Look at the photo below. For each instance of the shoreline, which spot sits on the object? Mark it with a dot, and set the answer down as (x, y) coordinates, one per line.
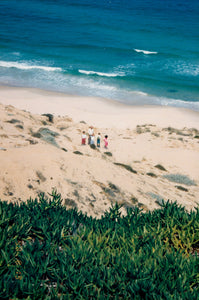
(97, 111)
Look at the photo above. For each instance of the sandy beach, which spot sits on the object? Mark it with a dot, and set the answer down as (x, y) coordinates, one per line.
(152, 154)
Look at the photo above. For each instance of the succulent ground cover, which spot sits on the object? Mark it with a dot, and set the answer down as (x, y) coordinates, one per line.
(49, 252)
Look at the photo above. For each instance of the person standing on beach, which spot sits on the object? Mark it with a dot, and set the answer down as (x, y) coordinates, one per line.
(90, 133)
(83, 138)
(92, 141)
(98, 140)
(106, 141)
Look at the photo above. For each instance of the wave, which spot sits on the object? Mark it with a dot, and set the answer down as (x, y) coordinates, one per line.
(145, 51)
(100, 73)
(25, 66)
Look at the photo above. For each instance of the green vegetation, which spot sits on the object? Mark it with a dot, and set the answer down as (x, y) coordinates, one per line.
(151, 174)
(108, 153)
(127, 167)
(181, 188)
(50, 117)
(13, 121)
(47, 135)
(160, 167)
(178, 178)
(78, 153)
(49, 252)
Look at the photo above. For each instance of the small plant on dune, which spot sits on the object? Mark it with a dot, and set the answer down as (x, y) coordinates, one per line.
(49, 116)
(78, 152)
(19, 126)
(151, 174)
(178, 178)
(160, 167)
(127, 167)
(158, 198)
(13, 121)
(179, 187)
(108, 153)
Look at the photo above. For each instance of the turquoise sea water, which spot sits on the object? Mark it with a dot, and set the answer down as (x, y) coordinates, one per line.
(133, 51)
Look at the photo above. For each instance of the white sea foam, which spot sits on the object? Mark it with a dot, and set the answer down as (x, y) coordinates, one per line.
(140, 98)
(25, 66)
(16, 53)
(187, 69)
(145, 51)
(100, 73)
(141, 93)
(93, 85)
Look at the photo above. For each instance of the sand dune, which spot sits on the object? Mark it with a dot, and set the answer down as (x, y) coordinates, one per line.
(149, 147)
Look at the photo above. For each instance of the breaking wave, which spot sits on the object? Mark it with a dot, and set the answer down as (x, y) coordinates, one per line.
(100, 73)
(25, 66)
(145, 51)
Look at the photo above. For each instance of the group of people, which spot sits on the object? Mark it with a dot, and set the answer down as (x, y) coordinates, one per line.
(91, 138)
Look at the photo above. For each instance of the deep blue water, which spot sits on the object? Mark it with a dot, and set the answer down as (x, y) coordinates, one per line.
(133, 51)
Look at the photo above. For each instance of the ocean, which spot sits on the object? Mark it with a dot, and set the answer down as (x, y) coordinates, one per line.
(133, 51)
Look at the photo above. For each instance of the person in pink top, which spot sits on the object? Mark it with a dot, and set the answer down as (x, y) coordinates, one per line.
(106, 141)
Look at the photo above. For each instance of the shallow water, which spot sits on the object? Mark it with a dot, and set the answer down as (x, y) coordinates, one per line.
(139, 52)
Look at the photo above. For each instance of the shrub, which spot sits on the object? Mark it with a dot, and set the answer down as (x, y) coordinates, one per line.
(108, 153)
(127, 167)
(160, 167)
(78, 152)
(49, 116)
(151, 174)
(49, 252)
(178, 178)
